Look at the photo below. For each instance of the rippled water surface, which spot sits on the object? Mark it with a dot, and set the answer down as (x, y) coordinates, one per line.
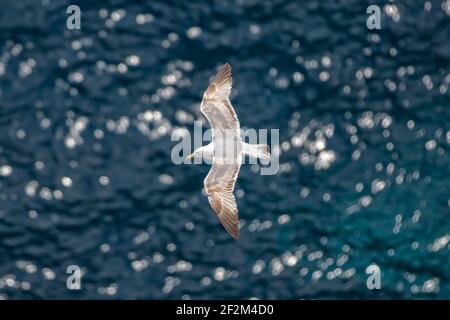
(86, 176)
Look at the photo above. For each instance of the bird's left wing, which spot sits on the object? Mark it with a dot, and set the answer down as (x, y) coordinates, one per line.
(219, 185)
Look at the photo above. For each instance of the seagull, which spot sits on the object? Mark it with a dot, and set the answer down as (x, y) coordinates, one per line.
(225, 150)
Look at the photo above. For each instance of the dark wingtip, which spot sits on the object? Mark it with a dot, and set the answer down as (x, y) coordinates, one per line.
(226, 65)
(235, 235)
(233, 230)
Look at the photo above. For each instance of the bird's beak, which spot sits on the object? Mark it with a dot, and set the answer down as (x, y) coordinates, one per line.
(189, 157)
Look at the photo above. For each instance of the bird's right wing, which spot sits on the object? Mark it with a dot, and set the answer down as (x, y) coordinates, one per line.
(216, 105)
(219, 185)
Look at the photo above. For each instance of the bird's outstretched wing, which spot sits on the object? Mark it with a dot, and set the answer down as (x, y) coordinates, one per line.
(220, 181)
(219, 185)
(216, 105)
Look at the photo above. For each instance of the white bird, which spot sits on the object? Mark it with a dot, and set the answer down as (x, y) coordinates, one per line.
(226, 150)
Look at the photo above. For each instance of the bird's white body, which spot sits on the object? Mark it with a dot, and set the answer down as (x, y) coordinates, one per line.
(207, 152)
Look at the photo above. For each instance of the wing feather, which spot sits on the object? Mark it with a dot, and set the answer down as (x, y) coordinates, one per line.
(219, 185)
(216, 105)
(220, 86)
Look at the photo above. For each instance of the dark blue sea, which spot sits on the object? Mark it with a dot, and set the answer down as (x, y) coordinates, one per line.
(86, 176)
